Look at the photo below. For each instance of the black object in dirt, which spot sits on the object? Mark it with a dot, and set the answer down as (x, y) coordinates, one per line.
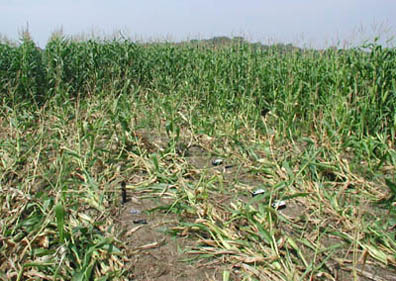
(264, 111)
(141, 221)
(123, 193)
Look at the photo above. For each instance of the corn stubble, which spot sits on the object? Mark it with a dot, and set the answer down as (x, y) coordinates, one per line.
(315, 129)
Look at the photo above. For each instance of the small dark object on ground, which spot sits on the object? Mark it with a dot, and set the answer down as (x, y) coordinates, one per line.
(141, 221)
(123, 193)
(264, 111)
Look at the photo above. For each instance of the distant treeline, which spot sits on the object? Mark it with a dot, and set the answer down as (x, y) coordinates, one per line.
(224, 41)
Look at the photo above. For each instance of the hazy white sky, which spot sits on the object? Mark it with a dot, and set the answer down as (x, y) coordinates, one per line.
(316, 22)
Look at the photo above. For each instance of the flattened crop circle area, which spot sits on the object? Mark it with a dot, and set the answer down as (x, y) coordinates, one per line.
(196, 161)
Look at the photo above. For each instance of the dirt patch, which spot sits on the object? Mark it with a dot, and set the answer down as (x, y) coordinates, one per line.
(153, 253)
(151, 141)
(198, 157)
(201, 159)
(293, 209)
(365, 273)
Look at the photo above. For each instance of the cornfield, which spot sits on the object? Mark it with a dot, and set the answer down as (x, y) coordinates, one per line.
(315, 129)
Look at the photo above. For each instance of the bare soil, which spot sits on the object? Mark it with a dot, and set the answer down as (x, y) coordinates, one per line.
(155, 254)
